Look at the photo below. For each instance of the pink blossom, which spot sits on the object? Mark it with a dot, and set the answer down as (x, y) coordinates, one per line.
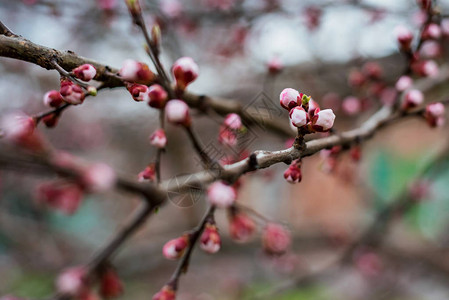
(227, 137)
(372, 70)
(157, 96)
(275, 65)
(323, 120)
(99, 177)
(275, 239)
(313, 106)
(412, 98)
(233, 121)
(166, 293)
(221, 194)
(61, 196)
(53, 98)
(435, 114)
(404, 83)
(293, 173)
(431, 49)
(241, 227)
(177, 112)
(351, 105)
(185, 71)
(135, 71)
(158, 139)
(85, 72)
(432, 31)
(149, 173)
(139, 92)
(175, 248)
(356, 78)
(72, 282)
(71, 93)
(210, 239)
(298, 116)
(289, 98)
(404, 36)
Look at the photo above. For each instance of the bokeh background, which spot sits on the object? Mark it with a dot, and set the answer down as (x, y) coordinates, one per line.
(232, 41)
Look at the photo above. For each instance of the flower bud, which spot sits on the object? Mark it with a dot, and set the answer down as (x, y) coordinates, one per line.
(185, 71)
(428, 68)
(431, 32)
(133, 7)
(431, 49)
(63, 197)
(289, 98)
(298, 116)
(166, 293)
(351, 105)
(356, 78)
(293, 173)
(445, 27)
(412, 98)
(71, 93)
(221, 194)
(233, 121)
(175, 248)
(356, 153)
(51, 120)
(139, 92)
(157, 95)
(275, 239)
(98, 177)
(404, 83)
(372, 70)
(72, 282)
(404, 36)
(241, 227)
(149, 173)
(135, 71)
(313, 106)
(210, 239)
(110, 284)
(156, 35)
(323, 120)
(85, 72)
(227, 136)
(275, 66)
(177, 112)
(53, 99)
(435, 114)
(19, 129)
(158, 139)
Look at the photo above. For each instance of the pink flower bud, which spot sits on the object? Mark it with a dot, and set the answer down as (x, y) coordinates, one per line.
(233, 121)
(175, 248)
(177, 112)
(51, 120)
(351, 105)
(356, 78)
(98, 177)
(289, 98)
(149, 173)
(404, 83)
(404, 36)
(241, 227)
(139, 92)
(372, 70)
(166, 293)
(427, 68)
(323, 120)
(313, 106)
(72, 282)
(19, 129)
(293, 173)
(135, 71)
(431, 49)
(63, 197)
(158, 139)
(85, 72)
(185, 71)
(298, 116)
(221, 194)
(71, 93)
(435, 114)
(158, 96)
(275, 239)
(110, 284)
(227, 136)
(388, 96)
(432, 31)
(412, 98)
(172, 8)
(275, 65)
(210, 239)
(53, 99)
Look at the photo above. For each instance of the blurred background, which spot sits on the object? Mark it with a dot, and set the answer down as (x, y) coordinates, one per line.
(318, 45)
